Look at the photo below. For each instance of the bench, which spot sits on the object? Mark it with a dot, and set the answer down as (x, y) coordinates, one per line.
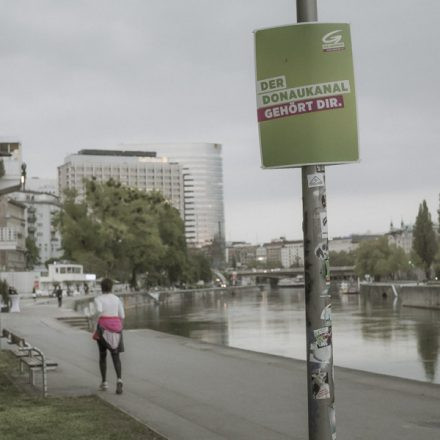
(31, 357)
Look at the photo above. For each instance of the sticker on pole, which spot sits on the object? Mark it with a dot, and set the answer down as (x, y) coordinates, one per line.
(323, 336)
(320, 384)
(306, 104)
(315, 180)
(320, 355)
(324, 224)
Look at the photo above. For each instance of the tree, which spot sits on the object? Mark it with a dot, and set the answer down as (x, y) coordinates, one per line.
(215, 252)
(342, 258)
(4, 293)
(172, 234)
(424, 239)
(379, 259)
(198, 267)
(122, 232)
(32, 253)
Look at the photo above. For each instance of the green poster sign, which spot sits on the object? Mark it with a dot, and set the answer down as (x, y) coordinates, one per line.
(305, 95)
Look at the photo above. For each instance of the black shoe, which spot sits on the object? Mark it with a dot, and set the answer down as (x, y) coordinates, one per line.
(119, 387)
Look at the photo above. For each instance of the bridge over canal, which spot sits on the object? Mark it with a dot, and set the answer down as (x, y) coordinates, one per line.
(338, 273)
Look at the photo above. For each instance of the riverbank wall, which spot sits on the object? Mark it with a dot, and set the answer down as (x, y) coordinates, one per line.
(86, 306)
(410, 295)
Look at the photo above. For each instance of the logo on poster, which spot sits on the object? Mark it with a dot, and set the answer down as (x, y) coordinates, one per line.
(333, 41)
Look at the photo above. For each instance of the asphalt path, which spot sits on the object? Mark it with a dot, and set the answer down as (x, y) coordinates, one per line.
(190, 390)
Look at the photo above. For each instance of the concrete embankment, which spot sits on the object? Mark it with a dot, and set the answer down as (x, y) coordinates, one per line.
(85, 305)
(410, 295)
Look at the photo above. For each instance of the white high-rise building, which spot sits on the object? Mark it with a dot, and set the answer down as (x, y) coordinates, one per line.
(137, 169)
(203, 187)
(292, 254)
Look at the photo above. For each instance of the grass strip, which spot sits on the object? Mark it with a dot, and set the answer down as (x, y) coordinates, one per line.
(25, 416)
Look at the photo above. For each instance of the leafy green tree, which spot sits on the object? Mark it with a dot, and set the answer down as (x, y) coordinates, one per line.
(215, 252)
(4, 292)
(436, 264)
(32, 253)
(380, 260)
(424, 239)
(172, 234)
(197, 268)
(124, 233)
(342, 258)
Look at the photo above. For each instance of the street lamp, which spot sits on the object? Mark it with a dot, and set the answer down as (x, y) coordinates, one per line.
(23, 176)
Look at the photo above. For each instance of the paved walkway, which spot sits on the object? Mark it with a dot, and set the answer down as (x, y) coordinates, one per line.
(189, 390)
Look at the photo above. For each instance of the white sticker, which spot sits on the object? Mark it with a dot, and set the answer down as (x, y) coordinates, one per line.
(315, 180)
(326, 314)
(320, 355)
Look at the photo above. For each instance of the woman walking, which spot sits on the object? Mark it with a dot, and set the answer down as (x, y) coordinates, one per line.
(108, 332)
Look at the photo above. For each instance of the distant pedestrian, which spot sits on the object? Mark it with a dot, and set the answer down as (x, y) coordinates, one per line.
(59, 295)
(108, 332)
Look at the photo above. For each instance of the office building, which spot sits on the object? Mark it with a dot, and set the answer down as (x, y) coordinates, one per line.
(137, 169)
(240, 254)
(203, 188)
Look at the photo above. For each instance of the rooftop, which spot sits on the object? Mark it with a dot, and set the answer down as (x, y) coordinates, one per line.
(123, 153)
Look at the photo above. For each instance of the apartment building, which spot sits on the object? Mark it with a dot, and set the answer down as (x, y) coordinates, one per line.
(241, 254)
(10, 166)
(41, 208)
(12, 235)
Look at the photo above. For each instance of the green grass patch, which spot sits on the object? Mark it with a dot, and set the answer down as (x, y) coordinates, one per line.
(24, 416)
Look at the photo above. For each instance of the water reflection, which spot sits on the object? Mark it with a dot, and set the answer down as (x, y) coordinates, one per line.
(374, 334)
(428, 345)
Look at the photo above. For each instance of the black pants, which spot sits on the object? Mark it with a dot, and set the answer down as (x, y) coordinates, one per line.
(103, 361)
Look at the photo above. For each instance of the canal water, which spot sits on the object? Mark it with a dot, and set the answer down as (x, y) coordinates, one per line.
(373, 335)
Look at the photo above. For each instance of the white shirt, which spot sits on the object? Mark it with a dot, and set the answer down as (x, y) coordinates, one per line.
(108, 304)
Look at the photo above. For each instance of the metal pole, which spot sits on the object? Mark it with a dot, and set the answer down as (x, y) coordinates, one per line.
(306, 10)
(320, 385)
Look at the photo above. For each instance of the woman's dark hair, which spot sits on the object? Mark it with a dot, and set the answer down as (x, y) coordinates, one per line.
(106, 285)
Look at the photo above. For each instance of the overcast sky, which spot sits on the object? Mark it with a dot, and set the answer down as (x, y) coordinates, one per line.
(83, 73)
